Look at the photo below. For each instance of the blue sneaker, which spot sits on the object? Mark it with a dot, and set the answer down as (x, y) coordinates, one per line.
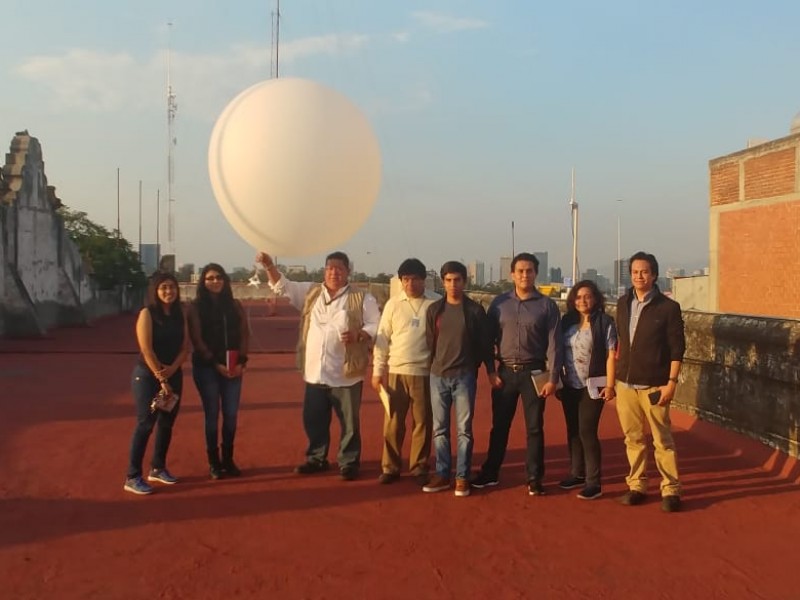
(162, 476)
(137, 485)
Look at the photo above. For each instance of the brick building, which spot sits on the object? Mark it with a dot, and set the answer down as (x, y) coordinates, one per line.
(754, 237)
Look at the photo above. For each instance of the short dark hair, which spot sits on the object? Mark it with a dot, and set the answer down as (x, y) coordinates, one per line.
(338, 255)
(599, 298)
(644, 256)
(454, 267)
(412, 267)
(527, 257)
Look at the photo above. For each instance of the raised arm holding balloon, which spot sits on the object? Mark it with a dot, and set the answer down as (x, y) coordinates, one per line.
(337, 326)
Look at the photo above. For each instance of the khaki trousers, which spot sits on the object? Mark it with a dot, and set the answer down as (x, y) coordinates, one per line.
(633, 407)
(406, 391)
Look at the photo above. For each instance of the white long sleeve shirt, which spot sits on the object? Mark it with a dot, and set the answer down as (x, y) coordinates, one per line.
(328, 320)
(401, 345)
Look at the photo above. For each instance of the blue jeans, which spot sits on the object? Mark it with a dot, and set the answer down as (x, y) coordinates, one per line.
(217, 391)
(458, 392)
(144, 386)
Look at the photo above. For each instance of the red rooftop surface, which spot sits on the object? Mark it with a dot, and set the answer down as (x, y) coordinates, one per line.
(68, 530)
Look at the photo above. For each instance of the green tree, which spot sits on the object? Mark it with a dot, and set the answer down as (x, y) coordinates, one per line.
(111, 257)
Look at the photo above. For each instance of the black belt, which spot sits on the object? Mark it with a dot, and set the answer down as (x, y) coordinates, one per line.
(519, 367)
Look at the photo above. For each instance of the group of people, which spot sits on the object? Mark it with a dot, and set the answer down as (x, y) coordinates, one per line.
(428, 350)
(216, 325)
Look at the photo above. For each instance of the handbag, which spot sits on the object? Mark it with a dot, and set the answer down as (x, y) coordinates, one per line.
(164, 400)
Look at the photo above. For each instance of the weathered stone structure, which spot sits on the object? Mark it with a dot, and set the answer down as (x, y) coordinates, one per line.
(44, 282)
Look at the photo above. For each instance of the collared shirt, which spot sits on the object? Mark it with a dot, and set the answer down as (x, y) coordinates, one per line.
(328, 320)
(400, 344)
(636, 310)
(527, 331)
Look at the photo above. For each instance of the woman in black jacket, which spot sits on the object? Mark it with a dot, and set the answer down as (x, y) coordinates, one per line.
(590, 340)
(218, 328)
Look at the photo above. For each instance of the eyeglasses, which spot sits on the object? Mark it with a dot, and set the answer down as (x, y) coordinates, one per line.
(214, 278)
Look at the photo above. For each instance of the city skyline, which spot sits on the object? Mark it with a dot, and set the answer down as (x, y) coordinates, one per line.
(481, 110)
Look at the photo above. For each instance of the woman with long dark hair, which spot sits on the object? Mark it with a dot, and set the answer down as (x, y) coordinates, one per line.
(590, 339)
(218, 328)
(163, 339)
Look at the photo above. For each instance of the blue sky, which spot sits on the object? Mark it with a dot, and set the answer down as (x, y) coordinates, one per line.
(481, 110)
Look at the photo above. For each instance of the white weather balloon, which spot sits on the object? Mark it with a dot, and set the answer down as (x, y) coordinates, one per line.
(295, 167)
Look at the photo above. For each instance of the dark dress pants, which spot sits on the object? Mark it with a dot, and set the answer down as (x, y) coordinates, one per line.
(504, 406)
(318, 403)
(582, 414)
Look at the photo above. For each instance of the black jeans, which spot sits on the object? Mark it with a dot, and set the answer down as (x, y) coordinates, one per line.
(582, 414)
(218, 392)
(144, 386)
(318, 402)
(504, 406)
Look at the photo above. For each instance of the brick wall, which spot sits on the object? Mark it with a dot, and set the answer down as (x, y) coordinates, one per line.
(724, 179)
(770, 175)
(754, 198)
(759, 260)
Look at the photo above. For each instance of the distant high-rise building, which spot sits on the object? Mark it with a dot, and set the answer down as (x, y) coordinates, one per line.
(622, 277)
(555, 275)
(505, 269)
(544, 273)
(475, 273)
(591, 275)
(150, 255)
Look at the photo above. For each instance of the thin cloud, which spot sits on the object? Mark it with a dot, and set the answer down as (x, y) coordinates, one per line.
(446, 23)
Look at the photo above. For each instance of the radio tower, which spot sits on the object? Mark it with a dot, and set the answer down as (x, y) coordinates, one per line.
(573, 206)
(172, 109)
(275, 41)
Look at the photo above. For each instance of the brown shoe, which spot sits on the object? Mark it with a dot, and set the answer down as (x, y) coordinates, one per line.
(421, 479)
(671, 503)
(633, 498)
(437, 483)
(462, 487)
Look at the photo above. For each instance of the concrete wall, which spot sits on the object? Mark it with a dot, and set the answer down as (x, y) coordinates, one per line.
(44, 282)
(692, 292)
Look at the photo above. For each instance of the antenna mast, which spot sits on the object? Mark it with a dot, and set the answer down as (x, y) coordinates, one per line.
(172, 109)
(574, 215)
(275, 42)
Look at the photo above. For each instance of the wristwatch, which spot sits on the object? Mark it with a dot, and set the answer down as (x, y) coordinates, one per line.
(673, 379)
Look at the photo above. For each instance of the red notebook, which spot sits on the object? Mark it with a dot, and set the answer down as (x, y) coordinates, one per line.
(231, 359)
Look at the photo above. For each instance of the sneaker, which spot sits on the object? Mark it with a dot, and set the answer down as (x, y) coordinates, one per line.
(137, 485)
(312, 466)
(387, 478)
(590, 493)
(633, 498)
(482, 480)
(162, 476)
(462, 487)
(421, 479)
(572, 483)
(437, 483)
(535, 488)
(671, 503)
(349, 473)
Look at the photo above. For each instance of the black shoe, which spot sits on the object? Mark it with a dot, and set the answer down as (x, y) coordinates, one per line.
(633, 498)
(230, 469)
(535, 488)
(386, 478)
(572, 483)
(348, 473)
(590, 493)
(312, 466)
(215, 471)
(671, 503)
(482, 480)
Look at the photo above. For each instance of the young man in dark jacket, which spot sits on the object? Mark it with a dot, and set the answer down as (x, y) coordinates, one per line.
(651, 347)
(457, 335)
